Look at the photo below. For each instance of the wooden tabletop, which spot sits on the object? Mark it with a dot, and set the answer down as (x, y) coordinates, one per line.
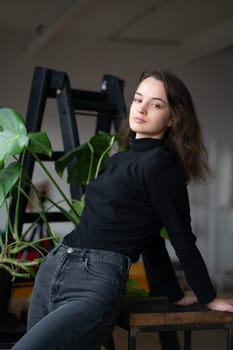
(150, 311)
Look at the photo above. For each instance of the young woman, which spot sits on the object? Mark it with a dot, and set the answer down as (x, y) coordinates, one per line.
(81, 283)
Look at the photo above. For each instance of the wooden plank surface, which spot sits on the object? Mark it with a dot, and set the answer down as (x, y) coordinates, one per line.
(147, 311)
(181, 318)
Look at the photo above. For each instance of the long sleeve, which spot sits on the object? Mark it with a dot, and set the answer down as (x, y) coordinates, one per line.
(161, 276)
(168, 192)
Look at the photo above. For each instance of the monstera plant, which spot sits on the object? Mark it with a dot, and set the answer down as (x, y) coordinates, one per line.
(87, 161)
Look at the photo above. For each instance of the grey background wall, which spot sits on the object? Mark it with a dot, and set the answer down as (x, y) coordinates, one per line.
(90, 38)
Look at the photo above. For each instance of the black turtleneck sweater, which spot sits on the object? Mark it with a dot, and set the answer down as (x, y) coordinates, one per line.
(141, 190)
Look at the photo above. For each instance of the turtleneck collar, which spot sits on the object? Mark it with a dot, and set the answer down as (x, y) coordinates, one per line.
(140, 145)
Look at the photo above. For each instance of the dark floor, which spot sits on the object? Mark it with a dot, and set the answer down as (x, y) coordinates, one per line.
(201, 340)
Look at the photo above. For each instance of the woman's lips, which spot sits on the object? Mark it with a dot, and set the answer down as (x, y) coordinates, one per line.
(139, 120)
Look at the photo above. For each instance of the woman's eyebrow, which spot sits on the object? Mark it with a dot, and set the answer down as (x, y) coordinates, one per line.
(153, 98)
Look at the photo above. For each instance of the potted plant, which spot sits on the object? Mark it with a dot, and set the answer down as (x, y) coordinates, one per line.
(15, 141)
(87, 161)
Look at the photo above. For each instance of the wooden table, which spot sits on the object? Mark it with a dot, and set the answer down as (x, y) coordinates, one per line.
(147, 314)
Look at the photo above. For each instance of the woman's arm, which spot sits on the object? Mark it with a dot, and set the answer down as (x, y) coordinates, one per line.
(160, 273)
(168, 192)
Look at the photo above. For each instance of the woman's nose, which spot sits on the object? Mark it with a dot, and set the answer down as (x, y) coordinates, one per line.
(142, 108)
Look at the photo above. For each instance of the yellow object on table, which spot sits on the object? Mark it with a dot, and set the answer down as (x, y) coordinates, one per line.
(137, 273)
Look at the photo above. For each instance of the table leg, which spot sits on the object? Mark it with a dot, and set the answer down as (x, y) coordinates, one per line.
(187, 340)
(230, 338)
(132, 338)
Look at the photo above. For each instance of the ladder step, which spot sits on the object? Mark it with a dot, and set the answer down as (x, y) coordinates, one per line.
(92, 101)
(51, 217)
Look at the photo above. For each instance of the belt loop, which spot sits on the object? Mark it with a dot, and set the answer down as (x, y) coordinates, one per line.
(129, 263)
(54, 250)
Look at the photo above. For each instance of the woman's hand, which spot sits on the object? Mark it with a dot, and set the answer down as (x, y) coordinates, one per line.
(221, 305)
(189, 298)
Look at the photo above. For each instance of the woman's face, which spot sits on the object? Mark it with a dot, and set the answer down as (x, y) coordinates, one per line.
(150, 113)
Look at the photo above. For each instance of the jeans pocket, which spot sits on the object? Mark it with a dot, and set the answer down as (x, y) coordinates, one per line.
(103, 270)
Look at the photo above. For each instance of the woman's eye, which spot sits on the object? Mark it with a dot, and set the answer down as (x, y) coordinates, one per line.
(155, 105)
(137, 100)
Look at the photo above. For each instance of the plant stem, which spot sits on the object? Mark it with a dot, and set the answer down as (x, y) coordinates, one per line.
(91, 162)
(16, 213)
(13, 273)
(52, 180)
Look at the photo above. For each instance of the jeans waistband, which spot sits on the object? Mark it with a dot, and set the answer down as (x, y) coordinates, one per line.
(106, 255)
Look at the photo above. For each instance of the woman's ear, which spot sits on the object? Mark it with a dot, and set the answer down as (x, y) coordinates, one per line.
(171, 121)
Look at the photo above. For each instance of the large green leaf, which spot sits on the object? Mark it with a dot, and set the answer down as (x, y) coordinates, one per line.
(80, 166)
(62, 162)
(83, 163)
(77, 208)
(40, 143)
(13, 134)
(8, 178)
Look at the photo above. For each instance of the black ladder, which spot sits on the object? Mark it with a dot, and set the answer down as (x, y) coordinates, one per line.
(107, 105)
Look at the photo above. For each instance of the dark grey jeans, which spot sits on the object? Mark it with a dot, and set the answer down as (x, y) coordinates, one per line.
(75, 300)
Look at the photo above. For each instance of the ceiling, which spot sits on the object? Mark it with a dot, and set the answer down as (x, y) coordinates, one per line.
(199, 27)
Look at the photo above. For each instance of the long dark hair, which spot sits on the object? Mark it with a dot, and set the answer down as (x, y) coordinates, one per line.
(184, 136)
